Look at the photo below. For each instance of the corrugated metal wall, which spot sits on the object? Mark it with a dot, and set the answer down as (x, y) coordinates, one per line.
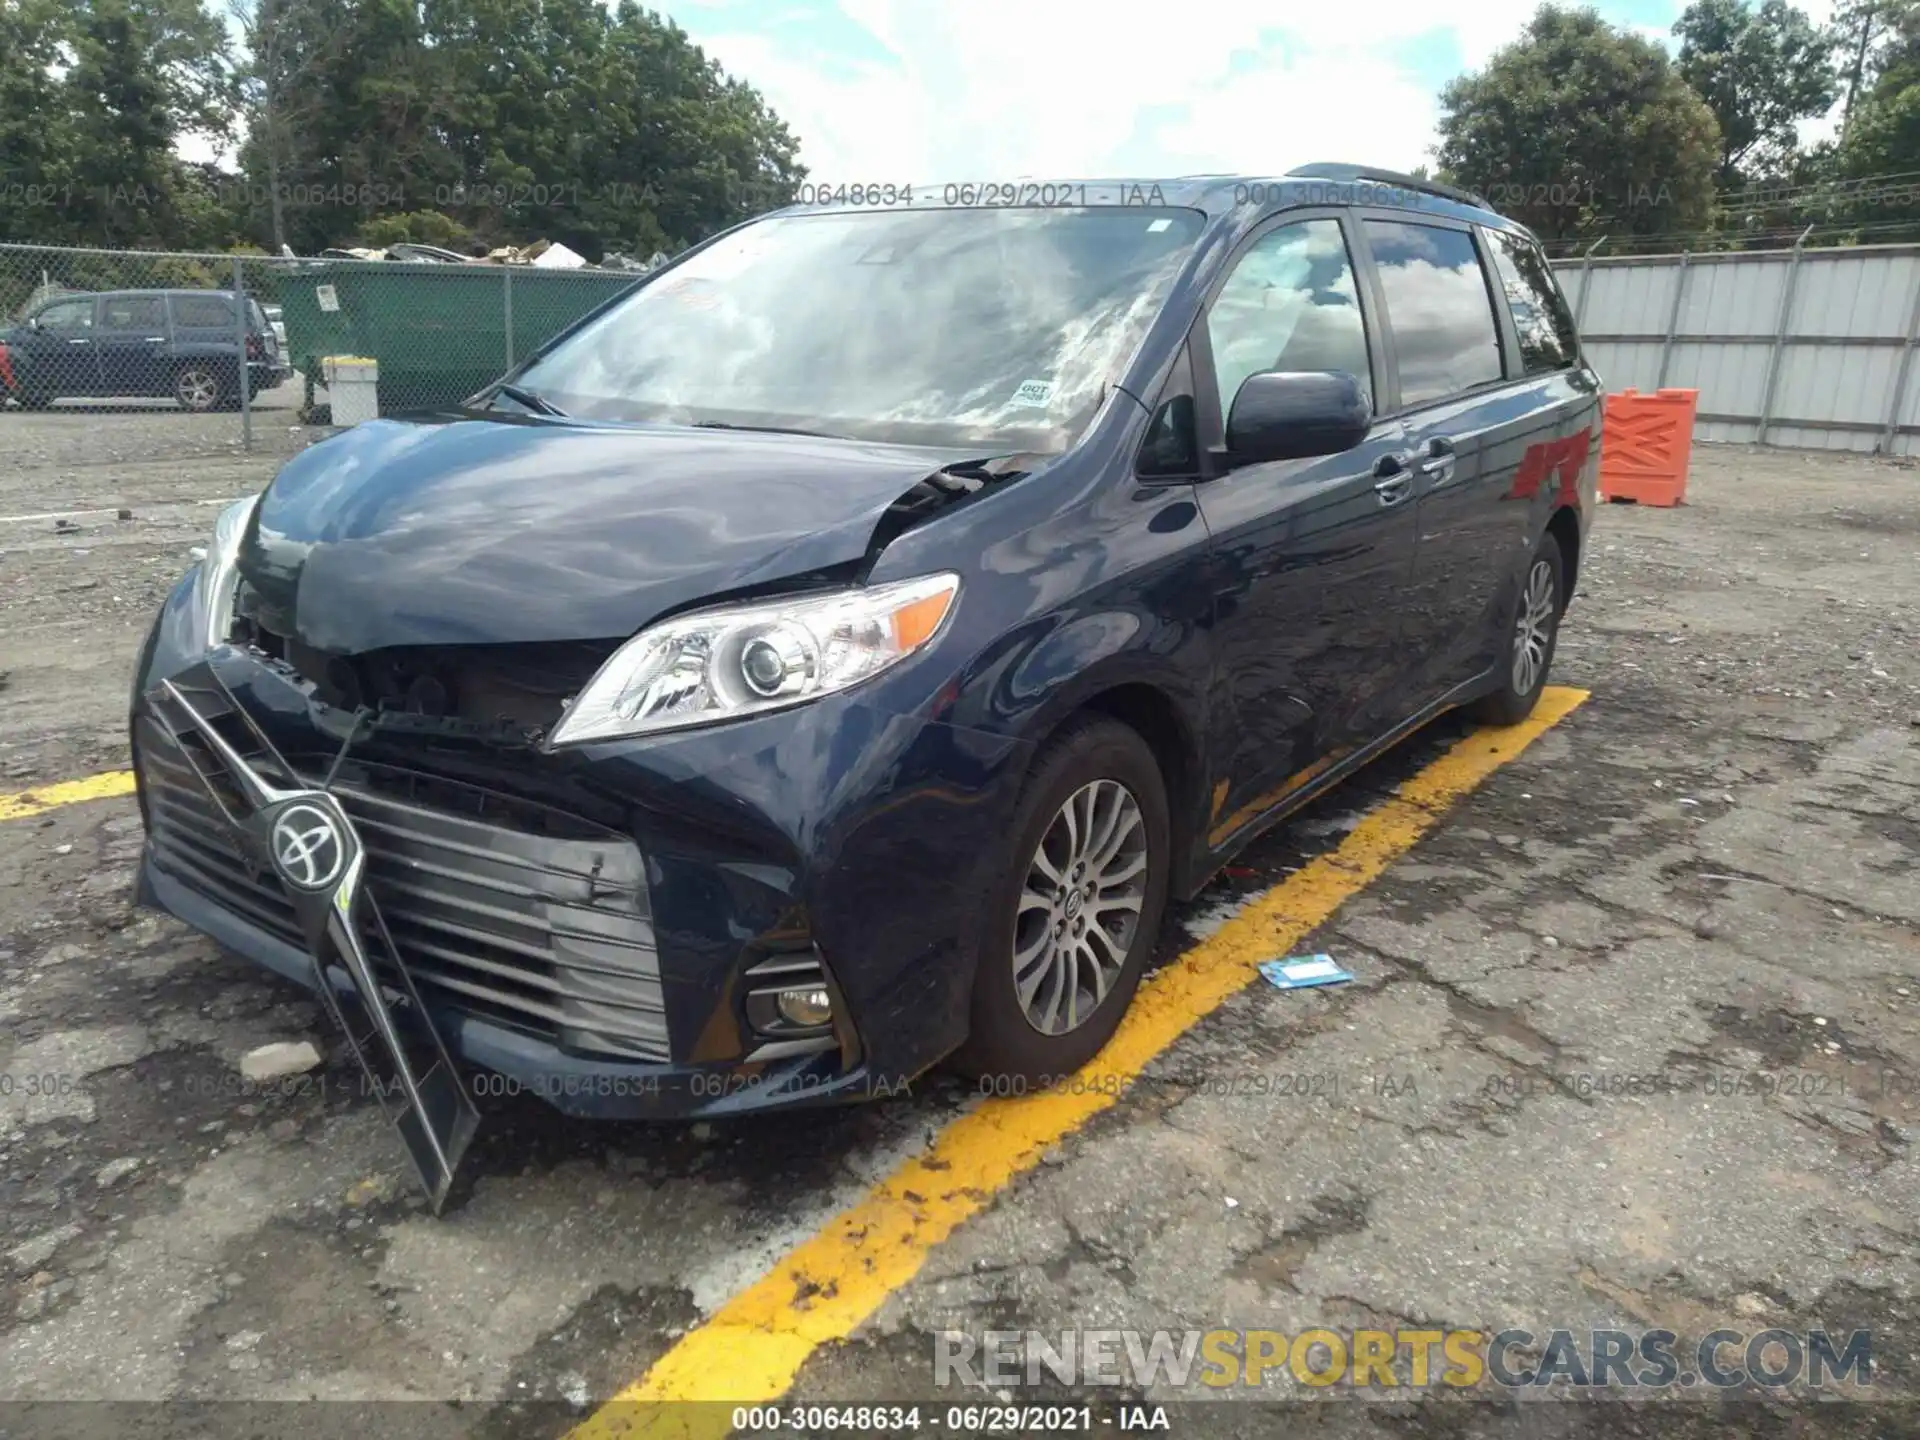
(1808, 348)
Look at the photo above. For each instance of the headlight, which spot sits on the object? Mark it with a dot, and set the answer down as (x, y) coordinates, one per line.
(746, 659)
(214, 586)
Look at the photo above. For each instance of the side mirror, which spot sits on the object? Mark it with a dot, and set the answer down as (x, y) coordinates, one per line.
(1292, 415)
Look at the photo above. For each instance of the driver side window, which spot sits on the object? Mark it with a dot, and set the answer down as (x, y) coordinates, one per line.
(68, 315)
(1290, 304)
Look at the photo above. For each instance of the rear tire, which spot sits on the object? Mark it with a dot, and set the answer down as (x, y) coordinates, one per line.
(1533, 629)
(198, 387)
(1075, 914)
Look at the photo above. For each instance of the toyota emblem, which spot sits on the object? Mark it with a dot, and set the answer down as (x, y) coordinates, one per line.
(307, 847)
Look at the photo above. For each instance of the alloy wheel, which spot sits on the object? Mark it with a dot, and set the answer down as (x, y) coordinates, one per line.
(1079, 907)
(1533, 631)
(197, 388)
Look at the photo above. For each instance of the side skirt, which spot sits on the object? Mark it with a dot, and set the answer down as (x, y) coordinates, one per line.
(1462, 694)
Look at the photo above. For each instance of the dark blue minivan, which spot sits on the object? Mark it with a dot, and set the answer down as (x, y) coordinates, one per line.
(185, 344)
(829, 657)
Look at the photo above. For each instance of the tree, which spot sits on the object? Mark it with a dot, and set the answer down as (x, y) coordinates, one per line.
(36, 138)
(95, 97)
(1579, 124)
(1868, 36)
(1760, 71)
(353, 105)
(500, 120)
(1871, 173)
(1894, 61)
(1856, 25)
(704, 150)
(360, 110)
(283, 43)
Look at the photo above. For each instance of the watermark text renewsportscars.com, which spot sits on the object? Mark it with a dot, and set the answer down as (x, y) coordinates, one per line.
(1510, 1359)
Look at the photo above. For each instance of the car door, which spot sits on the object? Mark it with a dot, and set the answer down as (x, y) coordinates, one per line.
(1469, 417)
(204, 325)
(1560, 392)
(132, 342)
(53, 354)
(1311, 555)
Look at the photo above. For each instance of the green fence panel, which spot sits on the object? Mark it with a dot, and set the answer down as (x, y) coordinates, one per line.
(439, 332)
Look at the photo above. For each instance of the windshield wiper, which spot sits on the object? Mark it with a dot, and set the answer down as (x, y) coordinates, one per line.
(531, 399)
(768, 429)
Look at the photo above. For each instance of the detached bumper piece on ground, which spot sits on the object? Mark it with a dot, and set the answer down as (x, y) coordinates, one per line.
(277, 823)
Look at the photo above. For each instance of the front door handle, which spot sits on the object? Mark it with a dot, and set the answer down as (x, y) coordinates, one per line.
(1393, 481)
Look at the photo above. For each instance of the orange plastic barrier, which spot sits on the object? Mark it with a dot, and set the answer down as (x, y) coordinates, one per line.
(1645, 444)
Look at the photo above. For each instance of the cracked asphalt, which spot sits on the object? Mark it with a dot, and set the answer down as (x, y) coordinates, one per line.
(1634, 1041)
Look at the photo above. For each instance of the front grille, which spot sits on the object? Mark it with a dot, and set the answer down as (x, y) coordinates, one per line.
(512, 912)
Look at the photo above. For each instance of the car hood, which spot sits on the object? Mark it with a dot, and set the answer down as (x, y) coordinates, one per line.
(501, 529)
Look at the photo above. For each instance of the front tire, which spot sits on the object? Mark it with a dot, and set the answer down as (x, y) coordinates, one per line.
(1531, 638)
(1076, 912)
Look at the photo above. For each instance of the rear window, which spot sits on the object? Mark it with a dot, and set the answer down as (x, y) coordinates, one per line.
(202, 312)
(133, 312)
(1438, 305)
(1540, 314)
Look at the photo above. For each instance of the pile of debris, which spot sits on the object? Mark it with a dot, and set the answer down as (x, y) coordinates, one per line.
(618, 260)
(541, 254)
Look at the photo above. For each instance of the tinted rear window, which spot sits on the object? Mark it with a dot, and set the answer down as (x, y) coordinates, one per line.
(202, 312)
(1540, 314)
(1444, 337)
(133, 312)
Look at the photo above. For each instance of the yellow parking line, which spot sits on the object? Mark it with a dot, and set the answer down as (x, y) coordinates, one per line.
(753, 1346)
(23, 803)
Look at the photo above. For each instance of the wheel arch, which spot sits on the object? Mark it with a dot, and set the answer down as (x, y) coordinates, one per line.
(1564, 526)
(1153, 714)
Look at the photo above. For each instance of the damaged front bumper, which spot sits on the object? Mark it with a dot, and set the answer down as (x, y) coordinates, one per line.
(278, 825)
(607, 929)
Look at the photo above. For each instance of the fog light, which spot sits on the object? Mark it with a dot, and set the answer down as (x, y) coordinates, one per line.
(809, 1007)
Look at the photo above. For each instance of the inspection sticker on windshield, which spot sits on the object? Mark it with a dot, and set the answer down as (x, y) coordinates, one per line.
(1037, 393)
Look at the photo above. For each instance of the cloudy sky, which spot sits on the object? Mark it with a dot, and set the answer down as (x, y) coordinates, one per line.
(894, 90)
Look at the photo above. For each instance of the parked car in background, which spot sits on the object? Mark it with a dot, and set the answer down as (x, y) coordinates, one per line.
(279, 324)
(139, 343)
(831, 656)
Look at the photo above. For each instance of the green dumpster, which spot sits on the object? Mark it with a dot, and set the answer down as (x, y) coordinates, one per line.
(438, 331)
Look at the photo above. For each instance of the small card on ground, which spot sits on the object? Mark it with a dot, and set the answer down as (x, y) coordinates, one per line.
(1302, 971)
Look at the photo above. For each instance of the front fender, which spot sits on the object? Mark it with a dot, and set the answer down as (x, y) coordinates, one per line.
(174, 641)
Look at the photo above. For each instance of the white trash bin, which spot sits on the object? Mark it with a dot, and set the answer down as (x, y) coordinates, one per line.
(353, 387)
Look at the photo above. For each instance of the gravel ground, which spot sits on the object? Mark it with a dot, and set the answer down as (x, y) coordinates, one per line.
(1712, 869)
(101, 506)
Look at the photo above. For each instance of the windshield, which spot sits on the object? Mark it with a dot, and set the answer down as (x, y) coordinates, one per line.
(959, 327)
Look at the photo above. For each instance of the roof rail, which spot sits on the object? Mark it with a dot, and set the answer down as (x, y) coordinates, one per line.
(1351, 173)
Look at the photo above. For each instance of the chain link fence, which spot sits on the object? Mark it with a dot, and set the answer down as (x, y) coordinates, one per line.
(114, 357)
